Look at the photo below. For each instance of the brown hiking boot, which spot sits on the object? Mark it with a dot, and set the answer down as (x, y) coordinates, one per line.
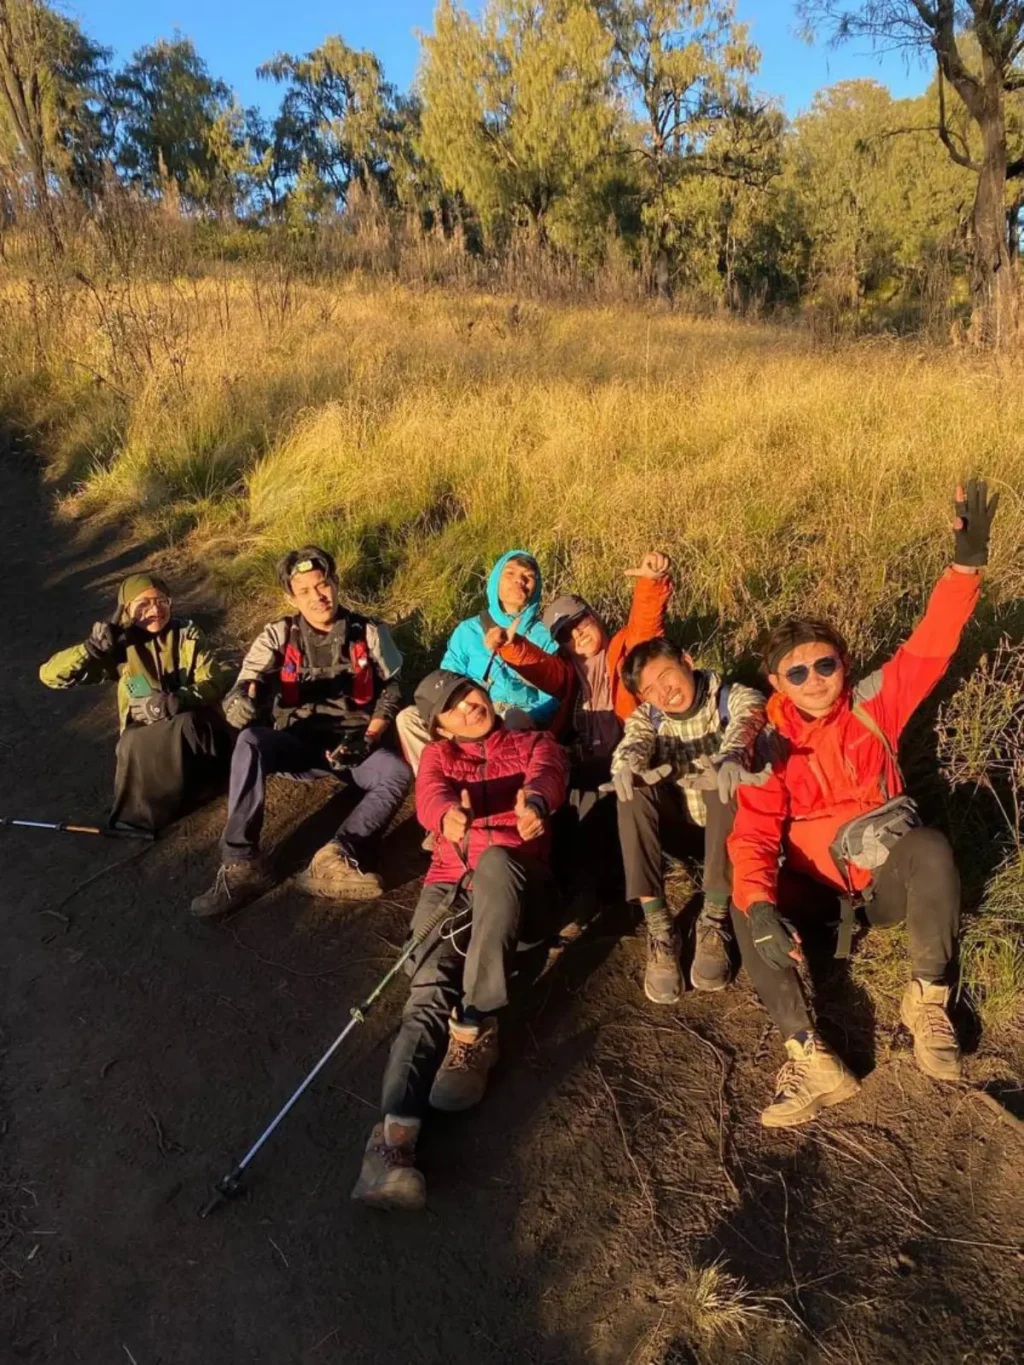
(388, 1178)
(235, 885)
(337, 876)
(711, 967)
(924, 1010)
(812, 1079)
(462, 1077)
(663, 977)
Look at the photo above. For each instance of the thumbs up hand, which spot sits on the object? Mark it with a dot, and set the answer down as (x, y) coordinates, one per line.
(457, 819)
(529, 820)
(240, 705)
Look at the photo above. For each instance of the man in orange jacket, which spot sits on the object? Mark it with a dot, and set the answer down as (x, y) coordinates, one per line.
(585, 675)
(834, 811)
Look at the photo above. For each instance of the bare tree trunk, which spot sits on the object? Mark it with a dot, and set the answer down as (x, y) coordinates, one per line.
(993, 278)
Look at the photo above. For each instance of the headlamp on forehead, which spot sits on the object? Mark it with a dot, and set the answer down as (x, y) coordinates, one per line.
(304, 560)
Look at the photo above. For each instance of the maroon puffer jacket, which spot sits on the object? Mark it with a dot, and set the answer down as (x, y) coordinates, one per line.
(492, 770)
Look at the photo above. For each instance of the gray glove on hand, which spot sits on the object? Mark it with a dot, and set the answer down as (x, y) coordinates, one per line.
(624, 780)
(240, 708)
(102, 641)
(153, 707)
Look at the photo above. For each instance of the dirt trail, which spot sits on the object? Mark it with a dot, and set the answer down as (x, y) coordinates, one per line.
(141, 1051)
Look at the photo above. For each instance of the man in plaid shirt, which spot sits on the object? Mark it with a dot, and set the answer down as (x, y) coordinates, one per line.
(676, 771)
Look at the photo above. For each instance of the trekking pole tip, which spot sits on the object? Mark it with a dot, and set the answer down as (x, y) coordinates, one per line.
(228, 1188)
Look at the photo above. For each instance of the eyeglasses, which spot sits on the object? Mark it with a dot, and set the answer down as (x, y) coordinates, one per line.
(825, 667)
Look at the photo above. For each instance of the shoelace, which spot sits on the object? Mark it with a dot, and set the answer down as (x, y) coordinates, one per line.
(394, 1156)
(662, 949)
(708, 926)
(792, 1077)
(937, 1024)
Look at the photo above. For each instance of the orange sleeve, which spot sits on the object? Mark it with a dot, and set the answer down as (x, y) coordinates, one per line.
(647, 611)
(756, 841)
(550, 672)
(905, 680)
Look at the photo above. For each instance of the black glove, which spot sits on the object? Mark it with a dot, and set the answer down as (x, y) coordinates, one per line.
(975, 514)
(774, 937)
(153, 707)
(103, 641)
(240, 709)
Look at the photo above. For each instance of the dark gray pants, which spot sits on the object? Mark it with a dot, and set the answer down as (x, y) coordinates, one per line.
(165, 768)
(509, 900)
(657, 820)
(918, 883)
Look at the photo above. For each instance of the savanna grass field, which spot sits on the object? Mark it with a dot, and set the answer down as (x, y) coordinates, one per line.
(615, 1201)
(420, 434)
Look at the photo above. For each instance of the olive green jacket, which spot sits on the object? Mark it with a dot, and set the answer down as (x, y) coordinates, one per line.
(178, 660)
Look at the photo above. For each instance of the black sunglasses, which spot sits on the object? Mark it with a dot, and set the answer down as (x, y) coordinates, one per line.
(824, 667)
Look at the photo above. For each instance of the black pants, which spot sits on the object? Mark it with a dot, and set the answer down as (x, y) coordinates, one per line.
(918, 883)
(383, 777)
(509, 900)
(656, 820)
(587, 860)
(165, 768)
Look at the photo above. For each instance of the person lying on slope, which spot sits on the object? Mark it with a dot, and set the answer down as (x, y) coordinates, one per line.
(835, 813)
(174, 746)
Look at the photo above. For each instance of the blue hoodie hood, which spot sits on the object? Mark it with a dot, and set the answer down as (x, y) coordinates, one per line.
(468, 654)
(531, 611)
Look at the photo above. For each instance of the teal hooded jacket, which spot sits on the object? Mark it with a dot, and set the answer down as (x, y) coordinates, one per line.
(467, 653)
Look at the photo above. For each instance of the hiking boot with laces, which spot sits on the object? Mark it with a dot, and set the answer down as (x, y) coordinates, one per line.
(663, 977)
(388, 1178)
(235, 885)
(813, 1078)
(711, 967)
(335, 875)
(462, 1077)
(924, 1010)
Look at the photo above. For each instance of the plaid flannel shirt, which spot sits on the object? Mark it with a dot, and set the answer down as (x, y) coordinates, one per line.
(696, 743)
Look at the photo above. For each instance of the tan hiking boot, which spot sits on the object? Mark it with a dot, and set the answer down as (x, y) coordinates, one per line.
(663, 977)
(462, 1077)
(924, 1009)
(235, 885)
(388, 1178)
(812, 1079)
(711, 967)
(335, 875)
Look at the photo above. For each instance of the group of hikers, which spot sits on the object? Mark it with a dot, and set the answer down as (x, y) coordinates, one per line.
(552, 758)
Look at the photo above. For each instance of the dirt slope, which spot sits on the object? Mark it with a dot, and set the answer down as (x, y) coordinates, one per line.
(141, 1052)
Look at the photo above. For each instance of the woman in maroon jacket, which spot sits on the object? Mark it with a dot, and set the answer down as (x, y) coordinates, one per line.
(487, 794)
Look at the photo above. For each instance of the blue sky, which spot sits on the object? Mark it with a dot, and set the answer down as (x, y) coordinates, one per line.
(234, 36)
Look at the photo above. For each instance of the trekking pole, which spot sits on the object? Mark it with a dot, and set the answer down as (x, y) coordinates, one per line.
(62, 827)
(231, 1184)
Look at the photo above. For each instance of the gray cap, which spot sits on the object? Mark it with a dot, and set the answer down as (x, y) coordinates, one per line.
(564, 612)
(435, 692)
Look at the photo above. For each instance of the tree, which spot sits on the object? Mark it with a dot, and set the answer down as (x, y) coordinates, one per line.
(684, 64)
(50, 75)
(340, 121)
(986, 87)
(178, 127)
(517, 109)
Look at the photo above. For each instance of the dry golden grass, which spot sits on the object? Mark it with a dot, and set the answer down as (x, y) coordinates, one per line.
(418, 435)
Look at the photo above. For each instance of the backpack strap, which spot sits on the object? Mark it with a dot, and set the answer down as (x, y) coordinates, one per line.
(487, 621)
(723, 703)
(869, 723)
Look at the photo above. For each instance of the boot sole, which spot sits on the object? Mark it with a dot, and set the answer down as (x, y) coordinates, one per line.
(663, 999)
(844, 1091)
(388, 1202)
(705, 983)
(302, 882)
(930, 1072)
(238, 904)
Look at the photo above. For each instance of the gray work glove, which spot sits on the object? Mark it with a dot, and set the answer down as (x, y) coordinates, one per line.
(774, 937)
(624, 780)
(240, 706)
(102, 641)
(153, 707)
(974, 513)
